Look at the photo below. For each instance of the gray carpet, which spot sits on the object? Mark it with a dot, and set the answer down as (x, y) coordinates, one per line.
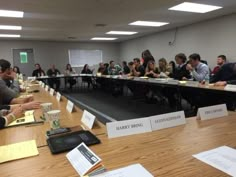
(109, 108)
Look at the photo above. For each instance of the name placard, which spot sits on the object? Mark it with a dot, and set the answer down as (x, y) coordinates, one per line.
(230, 87)
(128, 127)
(46, 88)
(88, 119)
(43, 85)
(58, 96)
(70, 106)
(52, 91)
(167, 120)
(212, 112)
(31, 78)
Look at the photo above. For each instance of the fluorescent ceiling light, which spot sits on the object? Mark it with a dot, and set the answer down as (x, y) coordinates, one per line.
(194, 7)
(149, 23)
(103, 39)
(10, 35)
(8, 27)
(11, 13)
(122, 32)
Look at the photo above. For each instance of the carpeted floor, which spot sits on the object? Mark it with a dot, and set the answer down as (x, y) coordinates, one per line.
(109, 108)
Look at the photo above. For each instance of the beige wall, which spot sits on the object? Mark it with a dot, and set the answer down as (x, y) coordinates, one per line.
(209, 39)
(47, 53)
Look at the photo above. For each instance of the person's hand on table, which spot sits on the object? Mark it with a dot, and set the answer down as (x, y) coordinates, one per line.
(18, 112)
(220, 83)
(184, 79)
(31, 105)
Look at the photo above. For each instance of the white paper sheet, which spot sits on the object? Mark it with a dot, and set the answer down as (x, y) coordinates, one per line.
(135, 170)
(222, 158)
(83, 159)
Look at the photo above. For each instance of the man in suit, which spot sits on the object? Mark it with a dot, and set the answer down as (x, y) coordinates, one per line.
(181, 73)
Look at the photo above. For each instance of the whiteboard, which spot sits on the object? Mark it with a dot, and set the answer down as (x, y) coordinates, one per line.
(78, 57)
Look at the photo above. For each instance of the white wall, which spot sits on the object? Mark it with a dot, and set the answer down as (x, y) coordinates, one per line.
(208, 38)
(47, 53)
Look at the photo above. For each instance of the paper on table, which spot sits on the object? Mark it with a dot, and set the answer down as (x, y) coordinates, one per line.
(222, 158)
(18, 151)
(29, 117)
(129, 171)
(83, 159)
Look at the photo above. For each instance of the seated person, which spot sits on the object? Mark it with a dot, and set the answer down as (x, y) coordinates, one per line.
(226, 75)
(8, 93)
(151, 70)
(181, 73)
(164, 69)
(137, 69)
(13, 112)
(38, 71)
(114, 69)
(19, 75)
(69, 70)
(200, 71)
(126, 69)
(53, 72)
(87, 79)
(130, 65)
(146, 57)
(221, 60)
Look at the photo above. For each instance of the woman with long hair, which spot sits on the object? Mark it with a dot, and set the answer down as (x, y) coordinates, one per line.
(68, 72)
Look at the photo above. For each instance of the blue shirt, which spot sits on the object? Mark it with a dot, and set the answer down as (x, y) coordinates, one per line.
(201, 72)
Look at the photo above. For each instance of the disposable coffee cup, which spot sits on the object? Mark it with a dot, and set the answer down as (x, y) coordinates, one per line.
(54, 119)
(45, 108)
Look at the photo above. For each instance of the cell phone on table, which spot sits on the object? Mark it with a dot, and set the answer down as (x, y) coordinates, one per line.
(57, 131)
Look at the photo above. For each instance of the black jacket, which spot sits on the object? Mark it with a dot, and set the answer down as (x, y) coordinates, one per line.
(226, 73)
(179, 73)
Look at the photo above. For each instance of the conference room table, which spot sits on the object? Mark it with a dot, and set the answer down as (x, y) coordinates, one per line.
(165, 82)
(166, 152)
(170, 86)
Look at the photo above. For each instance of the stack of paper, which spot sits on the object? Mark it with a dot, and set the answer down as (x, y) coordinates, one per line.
(29, 117)
(18, 151)
(84, 161)
(222, 158)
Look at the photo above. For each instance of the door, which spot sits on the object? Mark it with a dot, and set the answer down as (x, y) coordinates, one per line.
(24, 59)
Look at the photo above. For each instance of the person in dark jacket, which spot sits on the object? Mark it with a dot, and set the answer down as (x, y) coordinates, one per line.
(87, 79)
(180, 72)
(126, 69)
(38, 71)
(147, 56)
(226, 75)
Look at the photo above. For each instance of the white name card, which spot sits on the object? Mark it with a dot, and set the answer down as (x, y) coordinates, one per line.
(69, 106)
(46, 88)
(40, 83)
(212, 112)
(31, 78)
(43, 84)
(229, 87)
(128, 127)
(88, 119)
(167, 120)
(58, 96)
(52, 91)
